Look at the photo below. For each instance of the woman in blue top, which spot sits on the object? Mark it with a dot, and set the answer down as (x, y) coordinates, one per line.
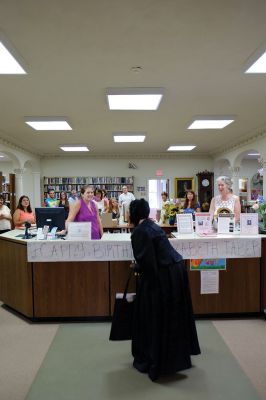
(190, 205)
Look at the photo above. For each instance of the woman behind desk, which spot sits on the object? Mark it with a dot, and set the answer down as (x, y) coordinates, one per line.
(164, 332)
(63, 202)
(226, 199)
(85, 210)
(23, 213)
(114, 208)
(190, 205)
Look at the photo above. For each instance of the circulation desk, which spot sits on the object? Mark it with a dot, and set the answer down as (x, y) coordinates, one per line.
(67, 279)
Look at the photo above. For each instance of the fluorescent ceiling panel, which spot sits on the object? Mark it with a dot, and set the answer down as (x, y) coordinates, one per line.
(259, 66)
(210, 123)
(74, 148)
(134, 99)
(46, 125)
(8, 64)
(180, 148)
(253, 154)
(129, 138)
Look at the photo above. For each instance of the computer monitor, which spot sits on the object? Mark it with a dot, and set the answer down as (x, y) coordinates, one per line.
(53, 217)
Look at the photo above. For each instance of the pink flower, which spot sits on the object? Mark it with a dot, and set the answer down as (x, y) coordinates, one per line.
(255, 206)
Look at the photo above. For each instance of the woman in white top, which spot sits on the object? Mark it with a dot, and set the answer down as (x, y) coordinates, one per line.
(226, 199)
(102, 202)
(5, 216)
(165, 201)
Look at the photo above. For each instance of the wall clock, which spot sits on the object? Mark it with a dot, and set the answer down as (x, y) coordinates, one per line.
(205, 182)
(205, 189)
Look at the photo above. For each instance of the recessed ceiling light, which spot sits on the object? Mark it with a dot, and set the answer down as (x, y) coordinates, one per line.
(210, 123)
(46, 124)
(180, 148)
(74, 148)
(254, 154)
(8, 64)
(259, 66)
(134, 98)
(2, 156)
(130, 138)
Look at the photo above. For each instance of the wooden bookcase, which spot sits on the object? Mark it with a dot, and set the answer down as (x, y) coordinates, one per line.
(8, 190)
(113, 185)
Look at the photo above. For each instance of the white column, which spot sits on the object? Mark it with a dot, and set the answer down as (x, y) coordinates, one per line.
(36, 189)
(19, 182)
(235, 171)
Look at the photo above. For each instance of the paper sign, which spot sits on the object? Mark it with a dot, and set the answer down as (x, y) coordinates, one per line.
(249, 224)
(79, 231)
(184, 223)
(226, 223)
(203, 223)
(209, 282)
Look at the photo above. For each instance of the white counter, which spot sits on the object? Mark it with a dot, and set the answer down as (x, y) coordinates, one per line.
(117, 247)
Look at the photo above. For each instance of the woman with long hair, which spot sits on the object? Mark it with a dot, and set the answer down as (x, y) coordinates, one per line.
(114, 208)
(191, 205)
(63, 202)
(23, 213)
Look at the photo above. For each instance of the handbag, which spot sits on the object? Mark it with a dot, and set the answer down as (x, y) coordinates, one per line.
(121, 328)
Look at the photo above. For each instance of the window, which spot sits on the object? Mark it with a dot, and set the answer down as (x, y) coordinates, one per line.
(155, 188)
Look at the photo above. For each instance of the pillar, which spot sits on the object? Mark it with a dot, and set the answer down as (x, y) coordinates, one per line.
(19, 182)
(36, 189)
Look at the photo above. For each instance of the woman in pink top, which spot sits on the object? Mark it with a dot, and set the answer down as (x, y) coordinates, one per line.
(85, 210)
(23, 213)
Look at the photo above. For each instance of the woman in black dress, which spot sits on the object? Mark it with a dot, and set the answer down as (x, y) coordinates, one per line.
(164, 331)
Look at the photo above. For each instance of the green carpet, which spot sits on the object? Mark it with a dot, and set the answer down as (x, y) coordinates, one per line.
(82, 364)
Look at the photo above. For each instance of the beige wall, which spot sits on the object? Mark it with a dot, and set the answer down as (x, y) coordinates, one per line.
(146, 168)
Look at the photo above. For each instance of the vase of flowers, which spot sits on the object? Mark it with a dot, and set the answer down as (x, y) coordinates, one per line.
(170, 211)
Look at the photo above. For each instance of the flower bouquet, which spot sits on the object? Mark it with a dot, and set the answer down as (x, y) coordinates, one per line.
(170, 211)
(260, 207)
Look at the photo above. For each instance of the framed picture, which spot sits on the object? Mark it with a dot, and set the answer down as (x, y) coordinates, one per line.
(243, 185)
(182, 185)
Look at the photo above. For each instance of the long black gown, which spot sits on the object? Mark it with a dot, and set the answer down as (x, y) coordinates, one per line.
(164, 331)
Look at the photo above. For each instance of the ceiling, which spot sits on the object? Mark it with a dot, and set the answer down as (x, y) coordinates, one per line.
(74, 50)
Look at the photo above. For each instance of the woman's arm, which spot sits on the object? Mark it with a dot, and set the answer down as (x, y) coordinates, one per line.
(106, 204)
(6, 214)
(33, 218)
(212, 207)
(100, 224)
(73, 210)
(237, 209)
(198, 209)
(144, 252)
(16, 218)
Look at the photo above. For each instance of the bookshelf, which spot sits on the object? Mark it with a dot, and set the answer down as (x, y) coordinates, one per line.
(113, 185)
(7, 188)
